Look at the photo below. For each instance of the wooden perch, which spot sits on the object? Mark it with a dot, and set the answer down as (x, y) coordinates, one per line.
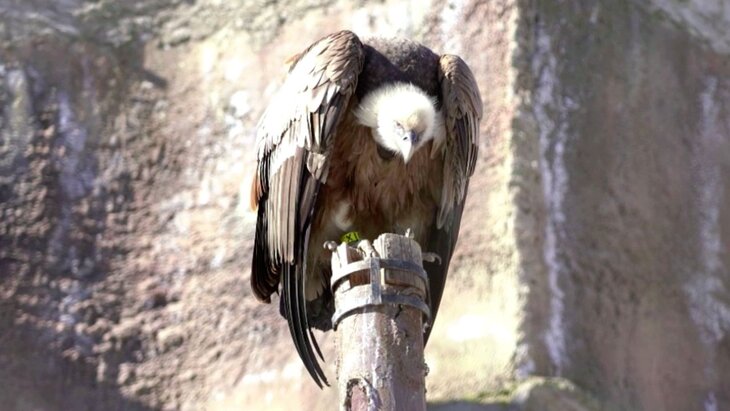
(380, 301)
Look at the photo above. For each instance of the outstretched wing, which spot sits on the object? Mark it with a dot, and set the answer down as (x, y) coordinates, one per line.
(462, 108)
(294, 141)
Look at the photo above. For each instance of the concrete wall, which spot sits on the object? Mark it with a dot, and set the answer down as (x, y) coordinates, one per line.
(628, 110)
(593, 266)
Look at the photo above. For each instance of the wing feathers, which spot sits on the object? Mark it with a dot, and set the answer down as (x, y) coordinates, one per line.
(462, 107)
(294, 138)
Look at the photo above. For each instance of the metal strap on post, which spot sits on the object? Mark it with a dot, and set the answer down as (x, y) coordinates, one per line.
(372, 294)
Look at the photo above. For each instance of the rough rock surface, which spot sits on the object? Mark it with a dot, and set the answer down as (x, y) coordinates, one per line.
(628, 113)
(596, 234)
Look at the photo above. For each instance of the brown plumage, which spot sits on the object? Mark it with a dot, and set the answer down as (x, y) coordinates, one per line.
(374, 138)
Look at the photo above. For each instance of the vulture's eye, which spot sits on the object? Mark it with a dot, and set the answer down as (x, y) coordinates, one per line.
(398, 126)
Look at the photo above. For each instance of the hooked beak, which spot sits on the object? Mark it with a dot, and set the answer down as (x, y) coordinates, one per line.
(410, 140)
(407, 152)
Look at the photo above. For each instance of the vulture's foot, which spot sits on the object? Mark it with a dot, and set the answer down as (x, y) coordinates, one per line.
(367, 248)
(432, 258)
(330, 245)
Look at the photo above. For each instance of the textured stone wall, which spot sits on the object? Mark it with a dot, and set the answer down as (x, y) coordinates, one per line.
(593, 266)
(628, 111)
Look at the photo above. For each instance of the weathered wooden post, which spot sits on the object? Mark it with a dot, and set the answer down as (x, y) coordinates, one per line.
(380, 309)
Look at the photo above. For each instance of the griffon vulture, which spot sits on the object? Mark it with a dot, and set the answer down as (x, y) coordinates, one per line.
(370, 137)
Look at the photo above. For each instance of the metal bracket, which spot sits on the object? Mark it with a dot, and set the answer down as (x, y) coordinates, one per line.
(373, 294)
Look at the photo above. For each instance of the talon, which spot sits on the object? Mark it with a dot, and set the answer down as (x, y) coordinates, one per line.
(432, 258)
(367, 248)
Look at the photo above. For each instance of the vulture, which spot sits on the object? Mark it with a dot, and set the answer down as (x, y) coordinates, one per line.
(362, 137)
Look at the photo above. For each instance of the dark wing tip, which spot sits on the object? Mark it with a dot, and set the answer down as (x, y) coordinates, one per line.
(296, 313)
(441, 241)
